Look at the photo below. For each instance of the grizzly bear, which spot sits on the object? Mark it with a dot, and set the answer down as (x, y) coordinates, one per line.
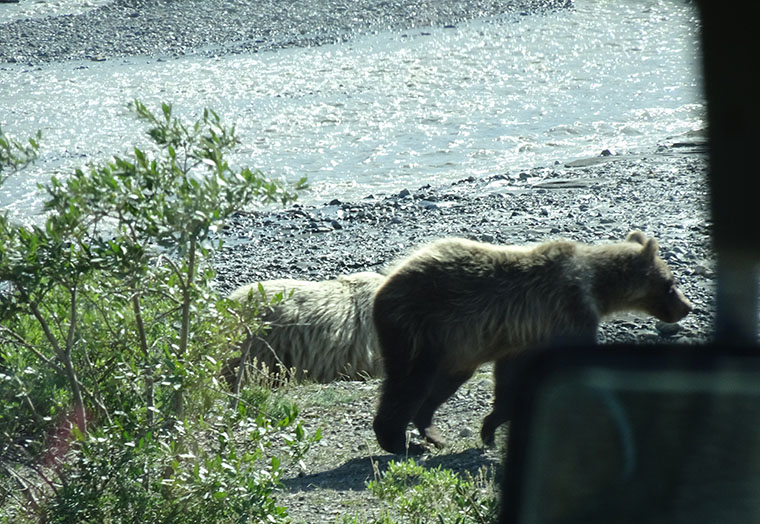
(322, 330)
(457, 304)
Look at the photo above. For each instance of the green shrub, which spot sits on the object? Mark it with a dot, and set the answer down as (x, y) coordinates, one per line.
(111, 342)
(433, 495)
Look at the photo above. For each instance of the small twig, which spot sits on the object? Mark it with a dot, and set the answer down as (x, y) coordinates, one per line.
(25, 488)
(20, 341)
(175, 269)
(241, 367)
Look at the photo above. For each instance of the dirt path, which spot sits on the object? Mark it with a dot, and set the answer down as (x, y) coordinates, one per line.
(333, 482)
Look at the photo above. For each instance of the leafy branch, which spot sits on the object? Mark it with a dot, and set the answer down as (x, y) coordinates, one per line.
(16, 155)
(106, 310)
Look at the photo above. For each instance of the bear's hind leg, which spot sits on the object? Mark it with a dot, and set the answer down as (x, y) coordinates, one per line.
(502, 402)
(444, 385)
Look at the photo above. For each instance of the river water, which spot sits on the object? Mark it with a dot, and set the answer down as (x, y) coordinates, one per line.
(393, 110)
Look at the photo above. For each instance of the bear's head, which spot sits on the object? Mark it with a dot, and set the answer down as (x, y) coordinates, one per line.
(657, 293)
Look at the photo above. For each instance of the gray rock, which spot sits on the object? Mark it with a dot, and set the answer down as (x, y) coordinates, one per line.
(666, 329)
(466, 432)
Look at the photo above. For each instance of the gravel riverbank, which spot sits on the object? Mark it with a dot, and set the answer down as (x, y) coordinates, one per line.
(599, 199)
(162, 28)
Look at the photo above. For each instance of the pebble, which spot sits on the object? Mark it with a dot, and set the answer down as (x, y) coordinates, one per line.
(666, 329)
(466, 432)
(486, 382)
(702, 270)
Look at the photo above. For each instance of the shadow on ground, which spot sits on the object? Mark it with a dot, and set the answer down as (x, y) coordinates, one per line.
(354, 474)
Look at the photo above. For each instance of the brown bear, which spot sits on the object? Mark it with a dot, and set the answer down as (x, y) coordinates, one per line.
(322, 330)
(457, 304)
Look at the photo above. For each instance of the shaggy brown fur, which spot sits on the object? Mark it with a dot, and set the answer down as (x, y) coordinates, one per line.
(323, 330)
(457, 304)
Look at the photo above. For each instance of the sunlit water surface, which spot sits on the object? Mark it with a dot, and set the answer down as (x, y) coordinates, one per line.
(43, 8)
(395, 110)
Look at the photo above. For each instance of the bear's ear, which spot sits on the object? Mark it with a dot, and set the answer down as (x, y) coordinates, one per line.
(650, 249)
(636, 236)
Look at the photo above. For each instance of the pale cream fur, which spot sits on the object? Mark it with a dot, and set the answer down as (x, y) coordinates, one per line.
(321, 329)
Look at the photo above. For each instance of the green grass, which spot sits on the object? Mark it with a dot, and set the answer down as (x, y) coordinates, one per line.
(423, 495)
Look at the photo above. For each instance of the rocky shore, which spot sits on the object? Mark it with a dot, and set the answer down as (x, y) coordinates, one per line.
(664, 194)
(179, 27)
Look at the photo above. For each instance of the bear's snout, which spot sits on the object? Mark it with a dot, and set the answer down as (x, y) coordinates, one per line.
(680, 306)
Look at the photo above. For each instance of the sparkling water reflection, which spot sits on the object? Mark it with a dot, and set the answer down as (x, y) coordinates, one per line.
(393, 110)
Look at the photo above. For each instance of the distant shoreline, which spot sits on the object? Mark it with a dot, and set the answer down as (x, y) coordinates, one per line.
(165, 28)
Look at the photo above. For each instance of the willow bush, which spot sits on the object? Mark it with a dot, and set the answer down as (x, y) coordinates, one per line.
(112, 338)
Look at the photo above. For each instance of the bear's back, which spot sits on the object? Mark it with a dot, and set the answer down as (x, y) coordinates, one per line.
(479, 299)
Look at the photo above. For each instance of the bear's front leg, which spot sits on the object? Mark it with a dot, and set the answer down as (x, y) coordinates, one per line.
(404, 392)
(444, 385)
(393, 416)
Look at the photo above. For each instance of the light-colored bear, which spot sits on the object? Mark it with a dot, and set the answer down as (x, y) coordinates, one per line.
(323, 330)
(456, 304)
